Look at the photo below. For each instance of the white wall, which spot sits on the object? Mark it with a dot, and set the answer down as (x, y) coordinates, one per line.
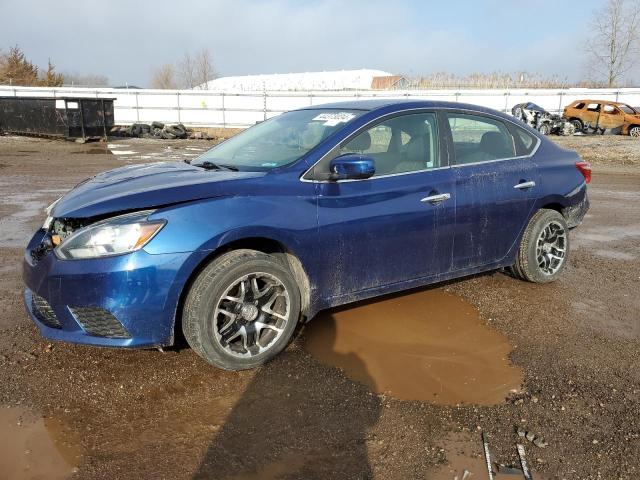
(241, 109)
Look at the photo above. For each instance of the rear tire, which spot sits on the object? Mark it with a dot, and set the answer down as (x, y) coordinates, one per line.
(544, 248)
(634, 131)
(234, 323)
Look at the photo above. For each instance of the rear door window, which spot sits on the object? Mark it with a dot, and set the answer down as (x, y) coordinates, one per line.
(479, 139)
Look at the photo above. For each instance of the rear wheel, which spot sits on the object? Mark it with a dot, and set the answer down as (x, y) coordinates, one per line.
(241, 310)
(544, 248)
(545, 129)
(635, 131)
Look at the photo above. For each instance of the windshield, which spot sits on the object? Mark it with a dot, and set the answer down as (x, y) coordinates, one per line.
(627, 109)
(278, 141)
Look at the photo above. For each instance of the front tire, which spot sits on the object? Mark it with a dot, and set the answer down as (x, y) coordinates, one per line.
(544, 248)
(241, 310)
(634, 131)
(577, 124)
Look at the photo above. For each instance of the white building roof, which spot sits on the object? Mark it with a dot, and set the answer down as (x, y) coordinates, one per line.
(337, 80)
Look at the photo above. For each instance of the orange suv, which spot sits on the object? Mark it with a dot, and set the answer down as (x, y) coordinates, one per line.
(602, 115)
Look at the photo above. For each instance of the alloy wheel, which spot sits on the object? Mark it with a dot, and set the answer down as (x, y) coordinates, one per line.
(635, 132)
(551, 248)
(251, 314)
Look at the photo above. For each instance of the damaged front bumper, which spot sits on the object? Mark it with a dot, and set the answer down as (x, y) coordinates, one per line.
(121, 301)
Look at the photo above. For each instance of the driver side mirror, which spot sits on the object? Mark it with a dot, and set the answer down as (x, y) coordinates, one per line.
(352, 166)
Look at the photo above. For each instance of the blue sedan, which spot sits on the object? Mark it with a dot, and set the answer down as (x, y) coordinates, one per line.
(311, 209)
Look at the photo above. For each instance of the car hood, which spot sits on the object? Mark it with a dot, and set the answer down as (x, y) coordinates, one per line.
(146, 186)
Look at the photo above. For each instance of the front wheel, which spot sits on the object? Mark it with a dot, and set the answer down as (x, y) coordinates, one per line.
(241, 310)
(635, 131)
(544, 248)
(577, 125)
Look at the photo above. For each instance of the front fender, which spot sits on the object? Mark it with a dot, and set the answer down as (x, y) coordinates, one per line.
(207, 225)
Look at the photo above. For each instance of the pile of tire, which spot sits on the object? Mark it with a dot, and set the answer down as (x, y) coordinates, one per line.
(156, 130)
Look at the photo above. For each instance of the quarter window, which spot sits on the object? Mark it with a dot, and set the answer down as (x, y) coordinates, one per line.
(527, 140)
(479, 139)
(406, 143)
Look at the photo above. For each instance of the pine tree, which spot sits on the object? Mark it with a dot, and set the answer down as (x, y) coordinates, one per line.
(51, 78)
(15, 69)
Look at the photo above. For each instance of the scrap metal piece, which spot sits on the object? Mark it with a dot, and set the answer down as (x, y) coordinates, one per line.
(540, 442)
(466, 475)
(487, 455)
(523, 462)
(506, 470)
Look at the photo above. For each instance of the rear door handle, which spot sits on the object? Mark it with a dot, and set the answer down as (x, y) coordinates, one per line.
(434, 199)
(522, 185)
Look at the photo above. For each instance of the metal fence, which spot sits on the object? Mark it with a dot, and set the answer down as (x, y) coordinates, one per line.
(241, 109)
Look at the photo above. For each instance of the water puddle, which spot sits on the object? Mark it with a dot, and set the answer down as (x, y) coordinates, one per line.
(465, 453)
(93, 151)
(17, 227)
(35, 447)
(428, 345)
(123, 152)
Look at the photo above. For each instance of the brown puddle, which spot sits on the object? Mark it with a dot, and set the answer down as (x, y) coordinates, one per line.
(465, 452)
(33, 447)
(428, 345)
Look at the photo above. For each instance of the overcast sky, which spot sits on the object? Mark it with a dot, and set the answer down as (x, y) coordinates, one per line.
(125, 40)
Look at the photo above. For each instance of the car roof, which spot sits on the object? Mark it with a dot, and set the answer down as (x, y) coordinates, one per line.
(609, 102)
(394, 104)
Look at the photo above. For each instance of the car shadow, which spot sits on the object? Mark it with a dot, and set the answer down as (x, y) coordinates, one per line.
(288, 425)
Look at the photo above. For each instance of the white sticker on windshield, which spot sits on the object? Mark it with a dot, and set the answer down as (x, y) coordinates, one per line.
(333, 119)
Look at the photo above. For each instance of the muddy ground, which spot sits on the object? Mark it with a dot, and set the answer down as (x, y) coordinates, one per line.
(487, 353)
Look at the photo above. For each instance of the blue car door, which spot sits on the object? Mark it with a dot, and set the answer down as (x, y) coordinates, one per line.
(398, 224)
(495, 188)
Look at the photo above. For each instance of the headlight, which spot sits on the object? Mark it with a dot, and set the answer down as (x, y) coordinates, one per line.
(115, 236)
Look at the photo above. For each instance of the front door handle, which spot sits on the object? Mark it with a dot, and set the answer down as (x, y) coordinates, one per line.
(435, 199)
(522, 185)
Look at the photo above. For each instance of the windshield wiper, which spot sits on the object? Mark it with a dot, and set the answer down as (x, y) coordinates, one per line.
(207, 165)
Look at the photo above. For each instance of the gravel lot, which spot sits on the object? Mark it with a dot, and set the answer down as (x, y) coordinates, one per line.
(83, 412)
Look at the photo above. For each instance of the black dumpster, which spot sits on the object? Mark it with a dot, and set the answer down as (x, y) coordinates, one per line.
(67, 117)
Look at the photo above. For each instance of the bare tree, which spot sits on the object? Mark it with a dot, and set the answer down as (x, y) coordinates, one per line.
(164, 77)
(204, 68)
(188, 71)
(85, 80)
(192, 71)
(613, 45)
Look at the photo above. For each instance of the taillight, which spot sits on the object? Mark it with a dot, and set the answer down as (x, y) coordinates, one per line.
(585, 170)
